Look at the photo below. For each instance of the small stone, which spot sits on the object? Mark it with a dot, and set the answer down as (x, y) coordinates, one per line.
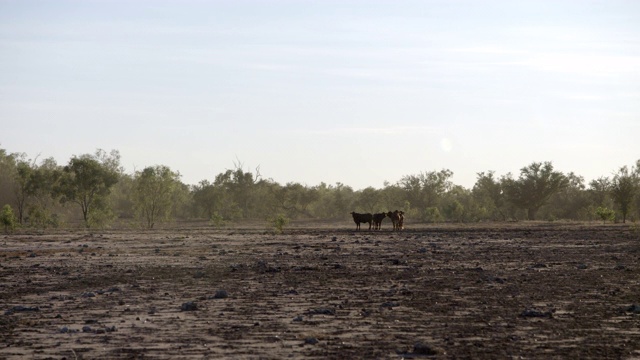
(424, 349)
(536, 313)
(189, 306)
(311, 341)
(635, 308)
(321, 311)
(221, 294)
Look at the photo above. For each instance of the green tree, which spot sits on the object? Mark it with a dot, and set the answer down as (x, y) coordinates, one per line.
(7, 176)
(87, 181)
(536, 184)
(489, 195)
(571, 201)
(295, 199)
(623, 188)
(599, 191)
(153, 193)
(23, 186)
(368, 199)
(427, 188)
(41, 193)
(458, 205)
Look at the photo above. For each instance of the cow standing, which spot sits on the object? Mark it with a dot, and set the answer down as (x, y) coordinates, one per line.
(362, 218)
(400, 220)
(397, 218)
(377, 220)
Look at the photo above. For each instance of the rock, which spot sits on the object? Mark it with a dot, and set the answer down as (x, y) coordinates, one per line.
(86, 328)
(635, 308)
(189, 306)
(221, 294)
(311, 341)
(537, 313)
(321, 311)
(110, 328)
(88, 295)
(298, 318)
(424, 349)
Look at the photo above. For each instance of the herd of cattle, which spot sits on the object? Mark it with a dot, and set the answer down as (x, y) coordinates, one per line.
(397, 219)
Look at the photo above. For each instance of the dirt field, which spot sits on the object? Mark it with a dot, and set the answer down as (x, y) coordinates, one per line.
(533, 291)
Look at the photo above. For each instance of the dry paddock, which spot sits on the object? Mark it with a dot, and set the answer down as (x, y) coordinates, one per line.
(524, 290)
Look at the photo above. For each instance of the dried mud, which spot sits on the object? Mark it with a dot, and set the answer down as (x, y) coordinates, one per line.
(534, 291)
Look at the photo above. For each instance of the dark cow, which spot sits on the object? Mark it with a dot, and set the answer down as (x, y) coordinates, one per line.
(377, 220)
(362, 218)
(397, 218)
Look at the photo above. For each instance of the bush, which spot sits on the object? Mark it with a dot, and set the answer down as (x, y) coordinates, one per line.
(217, 220)
(605, 214)
(7, 218)
(279, 222)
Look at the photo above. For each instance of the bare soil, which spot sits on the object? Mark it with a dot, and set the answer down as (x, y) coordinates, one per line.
(534, 291)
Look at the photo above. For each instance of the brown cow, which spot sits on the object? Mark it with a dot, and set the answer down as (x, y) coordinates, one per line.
(397, 218)
(377, 220)
(362, 218)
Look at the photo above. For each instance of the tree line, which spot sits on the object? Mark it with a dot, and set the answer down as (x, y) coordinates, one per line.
(94, 189)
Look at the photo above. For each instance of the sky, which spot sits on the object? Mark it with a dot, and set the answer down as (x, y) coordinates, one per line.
(357, 92)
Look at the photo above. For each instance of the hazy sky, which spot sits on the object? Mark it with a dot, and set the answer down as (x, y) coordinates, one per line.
(357, 92)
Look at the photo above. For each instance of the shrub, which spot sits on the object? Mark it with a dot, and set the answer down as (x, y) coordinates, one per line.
(279, 222)
(605, 214)
(7, 218)
(217, 220)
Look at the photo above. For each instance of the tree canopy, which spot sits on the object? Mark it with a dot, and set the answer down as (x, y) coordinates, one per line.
(40, 193)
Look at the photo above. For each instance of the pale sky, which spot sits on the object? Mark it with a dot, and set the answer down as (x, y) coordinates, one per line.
(357, 92)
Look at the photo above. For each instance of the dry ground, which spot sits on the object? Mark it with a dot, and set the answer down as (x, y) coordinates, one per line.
(533, 291)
